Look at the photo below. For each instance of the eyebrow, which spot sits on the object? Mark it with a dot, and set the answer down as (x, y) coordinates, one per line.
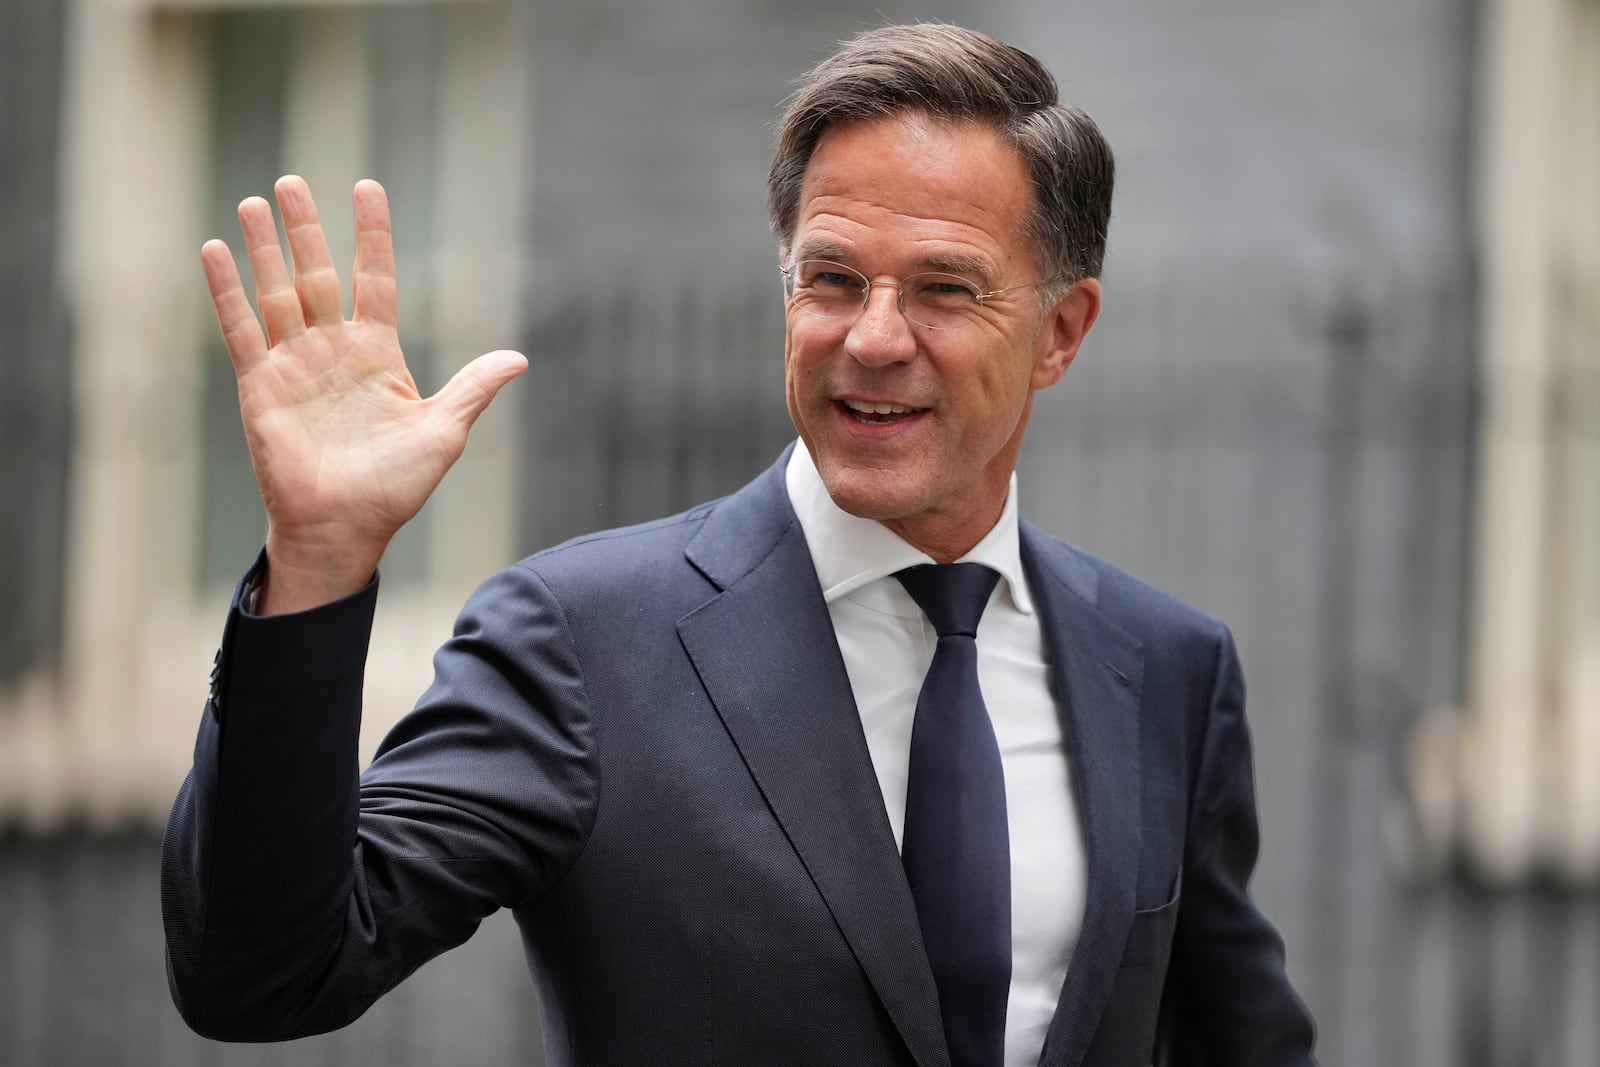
(948, 263)
(968, 266)
(822, 250)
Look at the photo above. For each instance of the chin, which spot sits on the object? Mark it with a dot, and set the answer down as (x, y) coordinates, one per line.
(872, 494)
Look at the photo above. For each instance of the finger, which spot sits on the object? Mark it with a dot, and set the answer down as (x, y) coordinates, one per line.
(376, 298)
(465, 395)
(275, 295)
(315, 279)
(247, 346)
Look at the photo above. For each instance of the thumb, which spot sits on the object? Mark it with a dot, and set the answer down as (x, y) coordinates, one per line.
(465, 395)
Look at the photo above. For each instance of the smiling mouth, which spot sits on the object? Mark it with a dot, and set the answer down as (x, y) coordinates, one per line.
(878, 414)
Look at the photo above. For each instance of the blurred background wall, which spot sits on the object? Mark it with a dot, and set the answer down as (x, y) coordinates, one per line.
(1345, 393)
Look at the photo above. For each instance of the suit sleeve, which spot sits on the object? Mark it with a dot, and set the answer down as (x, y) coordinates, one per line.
(295, 892)
(1229, 1001)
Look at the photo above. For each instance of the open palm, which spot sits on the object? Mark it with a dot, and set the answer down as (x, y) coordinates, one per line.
(345, 450)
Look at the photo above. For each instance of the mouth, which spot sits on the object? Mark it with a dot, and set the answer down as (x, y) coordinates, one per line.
(877, 413)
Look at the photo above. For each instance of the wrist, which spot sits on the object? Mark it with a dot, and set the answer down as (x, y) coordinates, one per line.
(305, 572)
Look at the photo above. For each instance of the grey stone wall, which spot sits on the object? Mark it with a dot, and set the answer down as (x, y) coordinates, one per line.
(35, 412)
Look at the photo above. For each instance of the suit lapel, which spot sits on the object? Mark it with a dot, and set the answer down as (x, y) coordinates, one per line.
(765, 651)
(1098, 674)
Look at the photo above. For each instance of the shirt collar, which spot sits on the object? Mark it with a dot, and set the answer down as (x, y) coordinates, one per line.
(850, 552)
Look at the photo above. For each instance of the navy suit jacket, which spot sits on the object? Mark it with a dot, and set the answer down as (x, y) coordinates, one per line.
(644, 742)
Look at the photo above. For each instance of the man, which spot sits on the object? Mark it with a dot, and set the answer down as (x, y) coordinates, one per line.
(698, 757)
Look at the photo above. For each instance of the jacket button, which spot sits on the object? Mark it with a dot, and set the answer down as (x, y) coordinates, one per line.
(214, 696)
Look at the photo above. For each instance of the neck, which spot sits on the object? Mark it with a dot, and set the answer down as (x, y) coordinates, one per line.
(946, 542)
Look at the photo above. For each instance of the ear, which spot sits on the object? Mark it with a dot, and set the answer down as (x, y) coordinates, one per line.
(1063, 330)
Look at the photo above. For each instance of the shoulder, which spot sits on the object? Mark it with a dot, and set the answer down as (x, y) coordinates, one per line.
(623, 553)
(1152, 616)
(677, 559)
(628, 566)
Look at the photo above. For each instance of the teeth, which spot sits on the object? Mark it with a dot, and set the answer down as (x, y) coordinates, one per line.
(878, 409)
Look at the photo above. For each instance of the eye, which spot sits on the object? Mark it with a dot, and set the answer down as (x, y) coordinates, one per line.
(942, 290)
(825, 277)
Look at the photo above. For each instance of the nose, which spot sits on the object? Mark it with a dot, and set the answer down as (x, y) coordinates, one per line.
(881, 334)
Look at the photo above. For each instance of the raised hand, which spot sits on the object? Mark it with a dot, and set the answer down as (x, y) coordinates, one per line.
(345, 450)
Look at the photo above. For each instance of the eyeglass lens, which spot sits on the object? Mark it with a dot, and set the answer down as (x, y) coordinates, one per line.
(833, 290)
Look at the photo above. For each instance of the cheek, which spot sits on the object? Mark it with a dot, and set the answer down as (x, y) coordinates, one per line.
(999, 394)
(791, 355)
(793, 367)
(1000, 374)
(804, 353)
(799, 374)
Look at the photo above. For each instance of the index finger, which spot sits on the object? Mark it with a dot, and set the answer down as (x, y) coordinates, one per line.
(375, 291)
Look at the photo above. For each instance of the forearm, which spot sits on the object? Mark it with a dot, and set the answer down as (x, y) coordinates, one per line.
(258, 865)
(296, 895)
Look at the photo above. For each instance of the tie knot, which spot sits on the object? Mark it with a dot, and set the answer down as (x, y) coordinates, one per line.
(952, 595)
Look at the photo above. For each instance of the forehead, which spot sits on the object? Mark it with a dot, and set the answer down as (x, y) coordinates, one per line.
(915, 189)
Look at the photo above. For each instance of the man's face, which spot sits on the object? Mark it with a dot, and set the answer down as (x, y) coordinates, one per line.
(891, 198)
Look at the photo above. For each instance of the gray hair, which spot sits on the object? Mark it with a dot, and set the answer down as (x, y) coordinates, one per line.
(960, 75)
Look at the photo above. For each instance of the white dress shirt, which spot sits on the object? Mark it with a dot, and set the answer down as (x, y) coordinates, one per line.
(888, 644)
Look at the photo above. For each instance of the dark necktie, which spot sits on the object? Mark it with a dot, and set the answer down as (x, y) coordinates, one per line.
(955, 846)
